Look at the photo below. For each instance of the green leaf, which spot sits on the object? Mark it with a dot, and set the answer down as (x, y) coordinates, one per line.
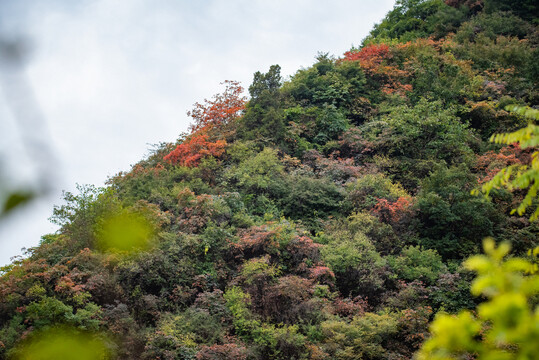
(15, 200)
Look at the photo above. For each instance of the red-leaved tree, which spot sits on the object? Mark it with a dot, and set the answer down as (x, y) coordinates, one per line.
(375, 59)
(221, 110)
(194, 149)
(393, 212)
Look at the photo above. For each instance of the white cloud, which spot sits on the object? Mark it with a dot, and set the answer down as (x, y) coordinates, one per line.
(112, 76)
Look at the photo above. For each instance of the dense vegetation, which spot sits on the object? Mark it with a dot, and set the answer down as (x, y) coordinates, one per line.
(325, 216)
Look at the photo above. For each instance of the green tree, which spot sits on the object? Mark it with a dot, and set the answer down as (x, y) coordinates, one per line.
(411, 19)
(264, 118)
(358, 267)
(414, 138)
(268, 82)
(527, 9)
(308, 198)
(449, 218)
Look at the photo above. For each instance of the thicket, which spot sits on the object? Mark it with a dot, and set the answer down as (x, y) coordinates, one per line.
(328, 215)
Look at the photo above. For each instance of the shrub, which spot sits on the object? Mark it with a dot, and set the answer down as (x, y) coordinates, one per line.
(417, 264)
(358, 268)
(222, 352)
(365, 192)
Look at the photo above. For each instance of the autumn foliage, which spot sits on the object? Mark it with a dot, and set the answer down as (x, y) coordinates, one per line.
(393, 212)
(491, 162)
(221, 110)
(194, 149)
(375, 60)
(370, 57)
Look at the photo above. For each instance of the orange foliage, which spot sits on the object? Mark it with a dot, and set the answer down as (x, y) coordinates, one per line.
(68, 285)
(490, 163)
(370, 57)
(393, 212)
(194, 149)
(316, 352)
(221, 110)
(374, 60)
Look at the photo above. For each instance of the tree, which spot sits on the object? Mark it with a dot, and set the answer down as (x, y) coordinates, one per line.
(374, 61)
(414, 138)
(224, 109)
(194, 149)
(449, 219)
(409, 20)
(527, 9)
(270, 81)
(264, 119)
(221, 110)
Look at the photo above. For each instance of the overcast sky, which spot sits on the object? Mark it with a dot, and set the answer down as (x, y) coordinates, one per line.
(110, 77)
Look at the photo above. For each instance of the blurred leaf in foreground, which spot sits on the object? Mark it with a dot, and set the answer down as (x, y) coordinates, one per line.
(519, 176)
(14, 200)
(506, 325)
(125, 232)
(62, 344)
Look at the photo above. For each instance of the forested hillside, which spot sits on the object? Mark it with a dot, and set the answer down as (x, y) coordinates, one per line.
(325, 216)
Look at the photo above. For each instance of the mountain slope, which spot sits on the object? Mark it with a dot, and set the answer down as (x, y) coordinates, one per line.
(324, 216)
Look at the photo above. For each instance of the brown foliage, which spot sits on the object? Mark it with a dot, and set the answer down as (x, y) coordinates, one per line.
(222, 352)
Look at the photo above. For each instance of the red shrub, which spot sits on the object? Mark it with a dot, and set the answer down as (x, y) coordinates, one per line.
(197, 211)
(393, 212)
(256, 241)
(339, 170)
(303, 248)
(490, 163)
(287, 300)
(374, 60)
(322, 275)
(350, 307)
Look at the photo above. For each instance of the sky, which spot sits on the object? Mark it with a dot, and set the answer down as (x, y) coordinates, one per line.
(105, 79)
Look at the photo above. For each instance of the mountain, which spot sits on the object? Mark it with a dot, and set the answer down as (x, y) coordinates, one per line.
(323, 216)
